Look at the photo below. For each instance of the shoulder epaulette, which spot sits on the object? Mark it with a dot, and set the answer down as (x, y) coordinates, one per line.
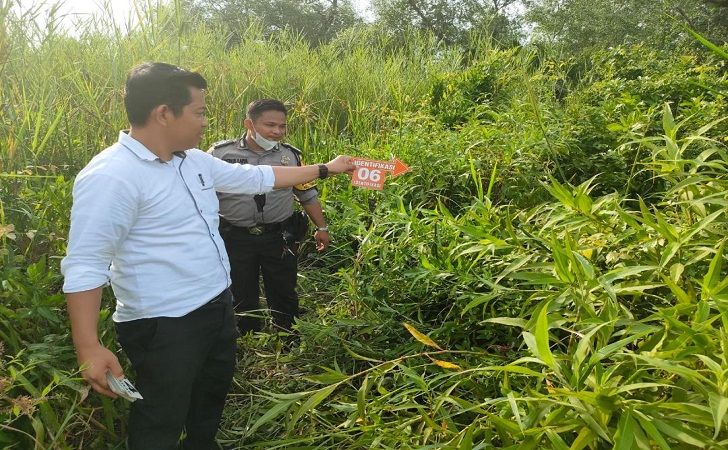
(219, 144)
(296, 151)
(299, 153)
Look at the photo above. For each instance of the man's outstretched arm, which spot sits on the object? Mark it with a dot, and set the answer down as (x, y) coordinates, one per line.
(290, 176)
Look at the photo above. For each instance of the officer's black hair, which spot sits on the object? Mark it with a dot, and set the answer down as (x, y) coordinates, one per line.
(258, 107)
(151, 84)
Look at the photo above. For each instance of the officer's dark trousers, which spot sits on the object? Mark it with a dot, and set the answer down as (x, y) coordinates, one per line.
(184, 367)
(250, 256)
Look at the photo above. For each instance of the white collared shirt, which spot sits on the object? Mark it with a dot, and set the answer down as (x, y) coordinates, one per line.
(151, 228)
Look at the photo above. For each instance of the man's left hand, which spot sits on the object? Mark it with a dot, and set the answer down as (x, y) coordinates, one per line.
(341, 164)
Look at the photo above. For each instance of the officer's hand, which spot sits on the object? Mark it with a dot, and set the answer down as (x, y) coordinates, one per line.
(322, 240)
(341, 164)
(95, 361)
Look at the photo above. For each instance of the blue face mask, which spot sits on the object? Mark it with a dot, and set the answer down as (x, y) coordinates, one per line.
(264, 143)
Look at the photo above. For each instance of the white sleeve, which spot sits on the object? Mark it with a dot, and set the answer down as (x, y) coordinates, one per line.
(241, 178)
(104, 209)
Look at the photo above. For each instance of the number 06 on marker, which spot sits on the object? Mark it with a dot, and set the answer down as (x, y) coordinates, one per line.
(370, 173)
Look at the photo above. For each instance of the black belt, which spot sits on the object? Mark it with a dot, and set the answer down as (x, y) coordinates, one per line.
(259, 229)
(264, 228)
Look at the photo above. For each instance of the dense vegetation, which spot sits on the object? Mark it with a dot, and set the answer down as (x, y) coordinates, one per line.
(551, 274)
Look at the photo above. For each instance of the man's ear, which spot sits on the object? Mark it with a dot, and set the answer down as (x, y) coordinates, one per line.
(248, 124)
(161, 114)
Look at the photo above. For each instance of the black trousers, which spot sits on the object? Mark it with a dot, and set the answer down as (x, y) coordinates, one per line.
(252, 255)
(184, 367)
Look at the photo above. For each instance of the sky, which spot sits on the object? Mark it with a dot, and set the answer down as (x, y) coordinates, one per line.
(122, 8)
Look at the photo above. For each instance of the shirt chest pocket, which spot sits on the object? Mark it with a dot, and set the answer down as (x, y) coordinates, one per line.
(206, 198)
(202, 190)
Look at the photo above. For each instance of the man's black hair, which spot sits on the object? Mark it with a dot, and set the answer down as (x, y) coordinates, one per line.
(258, 107)
(151, 84)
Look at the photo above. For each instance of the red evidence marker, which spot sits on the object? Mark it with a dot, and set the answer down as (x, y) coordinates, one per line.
(370, 173)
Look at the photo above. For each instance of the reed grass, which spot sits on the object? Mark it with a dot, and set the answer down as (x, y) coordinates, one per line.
(340, 87)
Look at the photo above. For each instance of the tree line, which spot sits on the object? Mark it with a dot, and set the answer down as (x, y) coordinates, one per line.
(570, 26)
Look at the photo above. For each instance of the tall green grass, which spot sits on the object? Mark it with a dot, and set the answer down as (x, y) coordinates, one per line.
(61, 103)
(584, 322)
(551, 274)
(336, 90)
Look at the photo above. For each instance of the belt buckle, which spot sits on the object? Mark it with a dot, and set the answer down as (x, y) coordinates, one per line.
(256, 230)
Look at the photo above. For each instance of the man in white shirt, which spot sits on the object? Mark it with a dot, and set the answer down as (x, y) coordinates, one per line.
(145, 219)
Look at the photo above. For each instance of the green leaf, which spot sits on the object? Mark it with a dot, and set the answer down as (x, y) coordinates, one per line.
(515, 265)
(629, 219)
(625, 272)
(648, 426)
(358, 356)
(561, 262)
(584, 345)
(311, 403)
(680, 295)
(560, 193)
(38, 150)
(616, 346)
(713, 276)
(585, 437)
(718, 407)
(477, 301)
(557, 443)
(700, 226)
(712, 47)
(679, 431)
(327, 378)
(692, 376)
(668, 122)
(361, 396)
(516, 368)
(272, 412)
(670, 251)
(514, 409)
(510, 321)
(624, 435)
(587, 414)
(637, 386)
(535, 278)
(466, 440)
(541, 334)
(585, 265)
(509, 425)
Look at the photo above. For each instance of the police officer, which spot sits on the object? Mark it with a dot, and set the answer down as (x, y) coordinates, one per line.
(259, 231)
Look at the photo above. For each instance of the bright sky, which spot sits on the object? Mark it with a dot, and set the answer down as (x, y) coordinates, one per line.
(122, 8)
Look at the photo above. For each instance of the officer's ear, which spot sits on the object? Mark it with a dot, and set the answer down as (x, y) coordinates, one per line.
(248, 124)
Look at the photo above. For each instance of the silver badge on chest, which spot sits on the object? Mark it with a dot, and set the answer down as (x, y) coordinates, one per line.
(285, 160)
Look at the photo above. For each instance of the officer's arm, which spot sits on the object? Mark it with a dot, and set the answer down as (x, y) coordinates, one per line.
(316, 213)
(321, 235)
